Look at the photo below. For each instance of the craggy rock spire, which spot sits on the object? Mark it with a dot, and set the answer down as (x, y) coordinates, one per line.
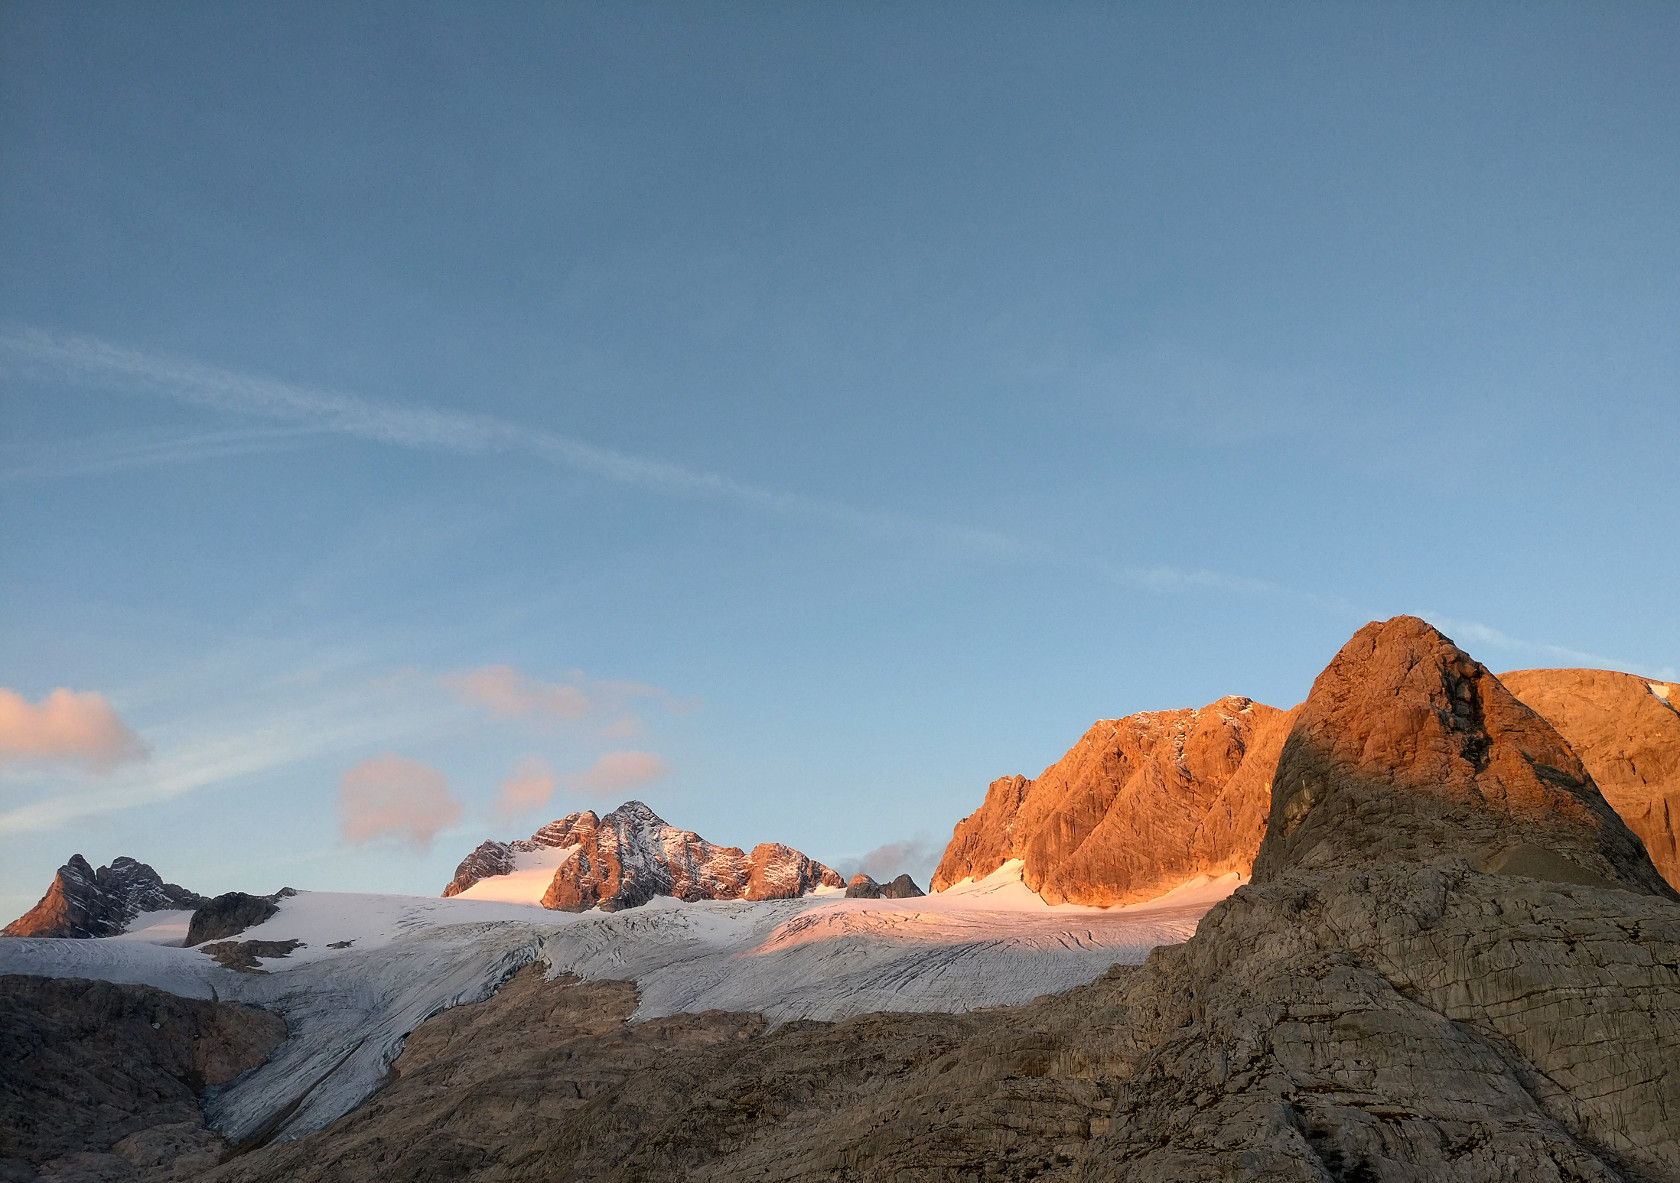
(1409, 750)
(82, 902)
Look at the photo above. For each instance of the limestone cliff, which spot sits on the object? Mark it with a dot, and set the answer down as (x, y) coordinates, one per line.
(1626, 730)
(1135, 808)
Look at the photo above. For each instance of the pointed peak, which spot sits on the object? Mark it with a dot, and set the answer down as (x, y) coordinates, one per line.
(1408, 749)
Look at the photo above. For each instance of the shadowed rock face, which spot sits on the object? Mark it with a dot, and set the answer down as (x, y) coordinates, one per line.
(105, 1077)
(83, 902)
(626, 857)
(1626, 730)
(1134, 809)
(228, 915)
(1409, 750)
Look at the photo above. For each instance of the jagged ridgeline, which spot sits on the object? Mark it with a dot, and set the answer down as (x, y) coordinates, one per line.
(1143, 803)
(630, 855)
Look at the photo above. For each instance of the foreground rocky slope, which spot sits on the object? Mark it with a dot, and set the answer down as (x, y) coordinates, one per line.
(99, 1081)
(1454, 963)
(630, 855)
(1137, 807)
(1626, 730)
(82, 902)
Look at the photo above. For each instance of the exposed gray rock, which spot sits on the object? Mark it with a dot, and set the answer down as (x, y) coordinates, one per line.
(244, 955)
(901, 888)
(228, 915)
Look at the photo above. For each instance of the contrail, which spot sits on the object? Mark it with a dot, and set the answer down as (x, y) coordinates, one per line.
(88, 360)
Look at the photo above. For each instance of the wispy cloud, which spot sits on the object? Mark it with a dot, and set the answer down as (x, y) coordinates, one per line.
(67, 726)
(530, 786)
(617, 772)
(509, 694)
(117, 453)
(264, 730)
(89, 360)
(393, 796)
(1470, 632)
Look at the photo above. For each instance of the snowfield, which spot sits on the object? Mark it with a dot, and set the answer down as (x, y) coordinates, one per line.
(400, 959)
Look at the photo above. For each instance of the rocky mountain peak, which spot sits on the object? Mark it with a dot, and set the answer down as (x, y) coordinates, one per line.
(1409, 750)
(83, 902)
(628, 856)
(1138, 806)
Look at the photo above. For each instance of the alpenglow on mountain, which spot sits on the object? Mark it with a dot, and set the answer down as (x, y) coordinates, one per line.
(626, 857)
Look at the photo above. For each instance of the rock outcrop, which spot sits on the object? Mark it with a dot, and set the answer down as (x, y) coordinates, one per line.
(1134, 809)
(82, 902)
(1626, 730)
(231, 914)
(626, 857)
(862, 887)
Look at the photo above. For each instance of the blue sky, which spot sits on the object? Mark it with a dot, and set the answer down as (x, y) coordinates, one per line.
(795, 416)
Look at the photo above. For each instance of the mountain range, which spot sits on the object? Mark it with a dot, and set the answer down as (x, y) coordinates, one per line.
(1456, 956)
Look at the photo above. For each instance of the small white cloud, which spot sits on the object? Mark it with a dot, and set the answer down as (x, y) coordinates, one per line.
(615, 772)
(66, 725)
(530, 786)
(393, 795)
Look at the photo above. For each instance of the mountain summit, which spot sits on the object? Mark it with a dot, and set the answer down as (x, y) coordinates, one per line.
(1409, 749)
(82, 902)
(626, 857)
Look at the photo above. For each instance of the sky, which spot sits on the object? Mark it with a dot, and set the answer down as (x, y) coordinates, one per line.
(421, 421)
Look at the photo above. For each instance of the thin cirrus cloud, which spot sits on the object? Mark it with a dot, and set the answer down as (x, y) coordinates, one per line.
(66, 725)
(617, 772)
(509, 694)
(530, 786)
(88, 360)
(393, 796)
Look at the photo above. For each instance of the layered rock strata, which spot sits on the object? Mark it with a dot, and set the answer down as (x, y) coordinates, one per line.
(1626, 730)
(82, 902)
(630, 855)
(1134, 809)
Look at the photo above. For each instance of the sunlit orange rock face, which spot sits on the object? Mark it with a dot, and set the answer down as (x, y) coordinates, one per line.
(1407, 749)
(1137, 807)
(1626, 730)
